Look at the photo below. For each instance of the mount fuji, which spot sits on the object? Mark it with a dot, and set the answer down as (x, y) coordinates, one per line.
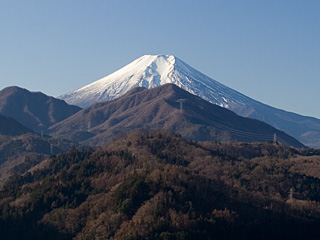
(154, 70)
(165, 107)
(150, 71)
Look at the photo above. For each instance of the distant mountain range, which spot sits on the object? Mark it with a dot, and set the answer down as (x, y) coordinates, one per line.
(34, 110)
(154, 70)
(100, 122)
(169, 107)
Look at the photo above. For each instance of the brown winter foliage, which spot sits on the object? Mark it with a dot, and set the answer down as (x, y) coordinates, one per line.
(34, 110)
(159, 107)
(157, 185)
(22, 152)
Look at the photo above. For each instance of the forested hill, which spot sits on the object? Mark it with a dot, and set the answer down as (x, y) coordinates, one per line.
(156, 185)
(10, 127)
(168, 107)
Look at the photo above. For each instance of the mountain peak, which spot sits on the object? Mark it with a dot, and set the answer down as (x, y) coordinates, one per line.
(147, 71)
(150, 71)
(154, 70)
(157, 57)
(34, 110)
(12, 90)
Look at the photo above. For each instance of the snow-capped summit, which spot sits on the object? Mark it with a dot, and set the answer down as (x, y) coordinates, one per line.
(150, 71)
(153, 70)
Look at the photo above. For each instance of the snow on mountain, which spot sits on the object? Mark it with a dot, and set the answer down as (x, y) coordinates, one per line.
(150, 71)
(153, 70)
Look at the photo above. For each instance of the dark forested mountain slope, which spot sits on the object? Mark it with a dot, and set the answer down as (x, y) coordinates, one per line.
(156, 185)
(34, 110)
(169, 107)
(11, 127)
(22, 152)
(21, 148)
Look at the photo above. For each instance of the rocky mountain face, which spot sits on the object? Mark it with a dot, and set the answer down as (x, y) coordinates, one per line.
(168, 107)
(154, 70)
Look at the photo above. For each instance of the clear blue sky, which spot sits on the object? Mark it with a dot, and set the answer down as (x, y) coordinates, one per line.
(266, 49)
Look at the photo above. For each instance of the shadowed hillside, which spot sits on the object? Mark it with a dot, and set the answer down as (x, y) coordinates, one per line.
(34, 110)
(168, 107)
(21, 148)
(11, 127)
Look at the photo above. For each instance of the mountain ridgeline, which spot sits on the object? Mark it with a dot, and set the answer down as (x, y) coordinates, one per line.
(34, 110)
(168, 107)
(164, 107)
(154, 70)
(24, 115)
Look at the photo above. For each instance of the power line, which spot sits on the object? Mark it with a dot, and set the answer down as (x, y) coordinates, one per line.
(181, 101)
(236, 132)
(283, 141)
(240, 133)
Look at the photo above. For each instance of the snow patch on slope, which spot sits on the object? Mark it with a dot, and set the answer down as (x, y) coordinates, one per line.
(150, 71)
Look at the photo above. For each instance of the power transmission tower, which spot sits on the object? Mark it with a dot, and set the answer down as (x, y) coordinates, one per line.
(51, 149)
(181, 101)
(275, 137)
(291, 193)
(89, 125)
